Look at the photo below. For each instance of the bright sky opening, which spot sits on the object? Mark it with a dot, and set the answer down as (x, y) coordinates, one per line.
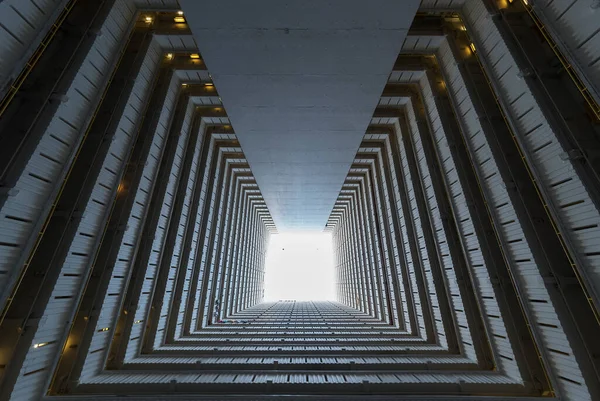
(299, 267)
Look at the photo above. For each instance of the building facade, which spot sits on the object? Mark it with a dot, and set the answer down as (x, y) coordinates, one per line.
(133, 233)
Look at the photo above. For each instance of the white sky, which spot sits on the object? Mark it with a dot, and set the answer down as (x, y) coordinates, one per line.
(299, 267)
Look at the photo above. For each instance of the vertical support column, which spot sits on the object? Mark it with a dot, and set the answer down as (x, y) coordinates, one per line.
(414, 249)
(23, 313)
(560, 280)
(458, 258)
(558, 140)
(217, 159)
(224, 231)
(362, 254)
(172, 321)
(506, 293)
(207, 182)
(250, 253)
(434, 257)
(105, 258)
(562, 104)
(164, 265)
(234, 249)
(353, 261)
(374, 264)
(136, 278)
(388, 202)
(228, 306)
(27, 116)
(227, 175)
(347, 274)
(383, 247)
(241, 260)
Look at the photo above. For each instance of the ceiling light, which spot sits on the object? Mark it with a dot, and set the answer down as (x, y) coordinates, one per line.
(39, 345)
(179, 12)
(148, 19)
(179, 20)
(472, 47)
(104, 329)
(194, 56)
(169, 56)
(209, 85)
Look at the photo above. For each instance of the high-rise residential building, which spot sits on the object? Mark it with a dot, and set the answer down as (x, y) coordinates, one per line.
(150, 148)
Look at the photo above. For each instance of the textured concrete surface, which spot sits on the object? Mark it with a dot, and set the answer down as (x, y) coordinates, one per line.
(300, 81)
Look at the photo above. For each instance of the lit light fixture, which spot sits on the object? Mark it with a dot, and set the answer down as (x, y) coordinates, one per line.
(462, 28)
(38, 345)
(209, 85)
(104, 329)
(138, 322)
(169, 56)
(526, 2)
(179, 20)
(179, 12)
(194, 56)
(148, 19)
(472, 47)
(184, 85)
